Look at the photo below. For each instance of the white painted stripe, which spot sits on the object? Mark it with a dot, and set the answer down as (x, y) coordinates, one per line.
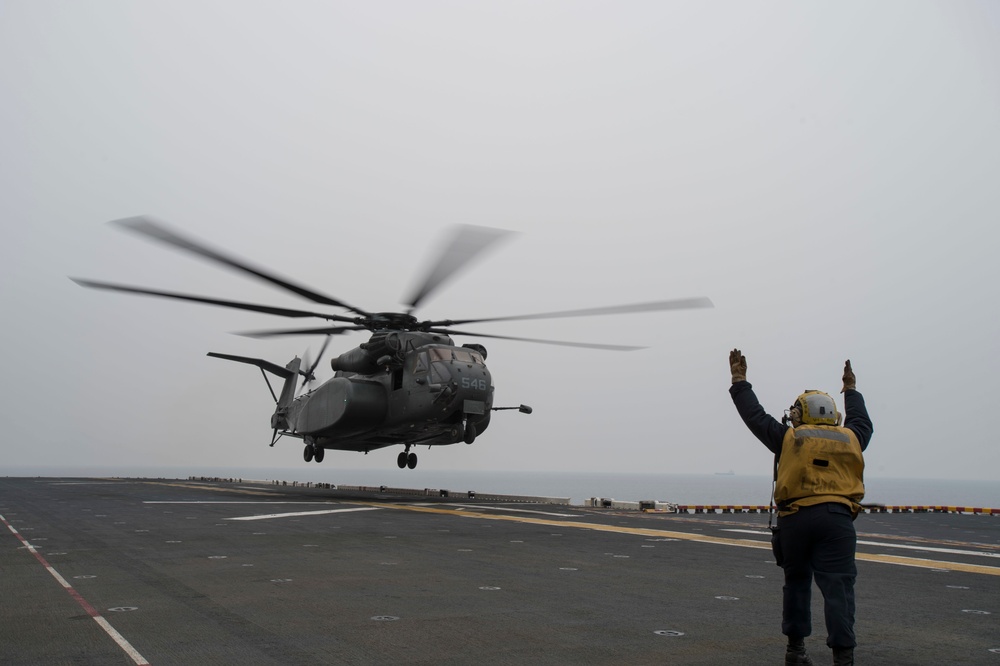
(120, 640)
(62, 581)
(305, 513)
(747, 531)
(880, 544)
(85, 483)
(231, 502)
(929, 549)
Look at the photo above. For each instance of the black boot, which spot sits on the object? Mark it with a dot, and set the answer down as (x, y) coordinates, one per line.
(843, 656)
(795, 653)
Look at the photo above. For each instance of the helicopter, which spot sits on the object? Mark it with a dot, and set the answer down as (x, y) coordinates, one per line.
(410, 384)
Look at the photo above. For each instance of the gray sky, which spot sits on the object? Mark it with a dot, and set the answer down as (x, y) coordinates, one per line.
(826, 173)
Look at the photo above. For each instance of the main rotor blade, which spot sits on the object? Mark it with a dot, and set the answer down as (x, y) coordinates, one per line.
(150, 228)
(467, 242)
(561, 343)
(266, 309)
(653, 306)
(334, 330)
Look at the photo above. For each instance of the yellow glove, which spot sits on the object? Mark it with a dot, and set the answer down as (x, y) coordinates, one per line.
(738, 366)
(850, 382)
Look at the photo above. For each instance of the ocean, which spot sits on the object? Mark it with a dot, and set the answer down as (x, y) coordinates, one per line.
(577, 486)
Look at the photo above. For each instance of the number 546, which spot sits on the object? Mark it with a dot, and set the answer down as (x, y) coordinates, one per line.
(473, 383)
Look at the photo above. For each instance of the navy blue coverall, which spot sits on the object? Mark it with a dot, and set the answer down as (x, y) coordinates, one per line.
(816, 541)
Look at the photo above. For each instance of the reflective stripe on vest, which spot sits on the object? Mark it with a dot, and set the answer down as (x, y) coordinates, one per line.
(823, 434)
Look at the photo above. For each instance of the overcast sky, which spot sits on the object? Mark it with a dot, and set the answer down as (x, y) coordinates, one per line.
(827, 173)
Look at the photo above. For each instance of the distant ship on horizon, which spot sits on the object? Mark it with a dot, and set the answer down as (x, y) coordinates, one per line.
(729, 473)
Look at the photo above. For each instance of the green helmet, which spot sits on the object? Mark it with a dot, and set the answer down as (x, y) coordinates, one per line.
(817, 408)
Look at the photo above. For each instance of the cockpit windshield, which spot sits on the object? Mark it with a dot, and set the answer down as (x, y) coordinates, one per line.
(466, 356)
(456, 354)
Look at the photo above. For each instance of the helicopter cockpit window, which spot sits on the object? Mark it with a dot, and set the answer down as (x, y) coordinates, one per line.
(440, 354)
(422, 363)
(468, 356)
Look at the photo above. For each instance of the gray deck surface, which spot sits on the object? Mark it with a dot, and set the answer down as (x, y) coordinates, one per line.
(181, 572)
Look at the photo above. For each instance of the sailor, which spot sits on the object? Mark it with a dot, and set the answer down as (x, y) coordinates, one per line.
(819, 482)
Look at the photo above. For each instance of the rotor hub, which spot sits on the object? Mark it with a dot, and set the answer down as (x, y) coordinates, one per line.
(392, 320)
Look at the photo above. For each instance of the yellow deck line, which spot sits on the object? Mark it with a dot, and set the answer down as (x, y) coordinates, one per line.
(687, 536)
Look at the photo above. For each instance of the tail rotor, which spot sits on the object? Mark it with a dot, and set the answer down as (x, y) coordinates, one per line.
(309, 372)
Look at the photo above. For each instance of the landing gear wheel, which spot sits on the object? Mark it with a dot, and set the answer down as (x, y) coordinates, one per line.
(318, 453)
(307, 454)
(470, 433)
(411, 460)
(401, 460)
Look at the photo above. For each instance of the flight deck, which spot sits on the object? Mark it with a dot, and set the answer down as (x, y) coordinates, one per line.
(161, 571)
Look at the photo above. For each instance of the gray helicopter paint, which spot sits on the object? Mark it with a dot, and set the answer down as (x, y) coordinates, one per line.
(346, 404)
(423, 399)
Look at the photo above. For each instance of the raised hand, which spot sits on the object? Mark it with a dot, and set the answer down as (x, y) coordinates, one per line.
(738, 366)
(850, 382)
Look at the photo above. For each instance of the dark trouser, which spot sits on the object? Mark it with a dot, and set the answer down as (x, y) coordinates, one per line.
(819, 541)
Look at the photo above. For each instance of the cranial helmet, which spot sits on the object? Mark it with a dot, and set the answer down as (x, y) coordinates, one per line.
(817, 408)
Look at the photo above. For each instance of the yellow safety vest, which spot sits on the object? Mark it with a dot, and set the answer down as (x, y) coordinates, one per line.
(819, 463)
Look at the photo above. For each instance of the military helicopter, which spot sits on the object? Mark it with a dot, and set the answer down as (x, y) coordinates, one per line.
(409, 384)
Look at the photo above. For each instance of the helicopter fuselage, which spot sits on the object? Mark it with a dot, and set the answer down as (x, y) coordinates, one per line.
(402, 387)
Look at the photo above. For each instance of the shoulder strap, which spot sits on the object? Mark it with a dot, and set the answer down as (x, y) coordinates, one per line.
(774, 482)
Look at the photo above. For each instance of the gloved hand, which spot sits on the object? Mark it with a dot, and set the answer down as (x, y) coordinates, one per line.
(850, 382)
(738, 366)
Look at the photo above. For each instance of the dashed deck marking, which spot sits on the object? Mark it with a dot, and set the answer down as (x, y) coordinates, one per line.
(90, 610)
(689, 536)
